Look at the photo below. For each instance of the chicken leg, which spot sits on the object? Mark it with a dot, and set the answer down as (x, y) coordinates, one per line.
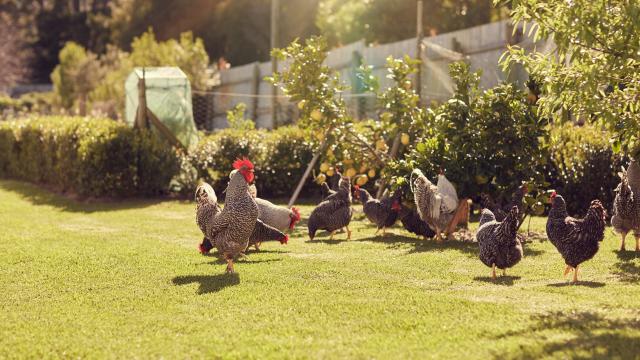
(624, 235)
(637, 242)
(504, 272)
(493, 271)
(257, 245)
(348, 233)
(229, 266)
(331, 236)
(575, 274)
(567, 270)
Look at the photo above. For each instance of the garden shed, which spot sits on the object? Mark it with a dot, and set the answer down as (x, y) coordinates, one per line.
(168, 97)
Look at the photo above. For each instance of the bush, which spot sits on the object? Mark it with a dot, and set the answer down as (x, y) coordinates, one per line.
(280, 157)
(583, 166)
(87, 156)
(486, 141)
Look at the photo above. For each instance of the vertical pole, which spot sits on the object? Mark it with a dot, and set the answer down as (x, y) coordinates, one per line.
(275, 12)
(141, 116)
(419, 37)
(255, 90)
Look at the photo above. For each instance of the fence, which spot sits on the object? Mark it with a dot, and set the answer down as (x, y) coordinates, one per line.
(480, 46)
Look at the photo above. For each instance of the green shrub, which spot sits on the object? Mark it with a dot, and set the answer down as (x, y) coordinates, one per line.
(87, 156)
(486, 141)
(280, 157)
(583, 166)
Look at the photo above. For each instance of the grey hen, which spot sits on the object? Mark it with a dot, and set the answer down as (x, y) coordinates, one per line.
(499, 246)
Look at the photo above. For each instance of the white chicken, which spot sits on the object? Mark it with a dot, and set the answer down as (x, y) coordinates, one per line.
(439, 205)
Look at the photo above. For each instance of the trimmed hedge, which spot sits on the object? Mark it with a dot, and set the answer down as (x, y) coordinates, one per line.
(87, 156)
(583, 166)
(280, 157)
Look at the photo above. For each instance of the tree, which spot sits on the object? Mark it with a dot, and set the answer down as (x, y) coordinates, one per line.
(382, 21)
(13, 56)
(593, 72)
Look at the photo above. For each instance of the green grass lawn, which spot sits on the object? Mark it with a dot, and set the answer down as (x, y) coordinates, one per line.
(126, 280)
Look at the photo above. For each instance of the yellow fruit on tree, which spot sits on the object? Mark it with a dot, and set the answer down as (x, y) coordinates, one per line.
(385, 116)
(362, 179)
(371, 173)
(330, 172)
(404, 139)
(320, 179)
(381, 144)
(324, 167)
(301, 104)
(347, 161)
(316, 115)
(363, 168)
(351, 172)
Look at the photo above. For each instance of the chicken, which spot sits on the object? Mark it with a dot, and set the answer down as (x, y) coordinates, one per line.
(501, 212)
(383, 213)
(231, 229)
(207, 209)
(263, 232)
(276, 216)
(412, 222)
(253, 191)
(438, 205)
(626, 206)
(325, 191)
(333, 213)
(577, 240)
(499, 246)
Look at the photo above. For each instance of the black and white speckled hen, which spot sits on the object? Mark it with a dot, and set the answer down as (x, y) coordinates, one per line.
(626, 205)
(577, 240)
(383, 213)
(333, 213)
(499, 246)
(207, 209)
(263, 232)
(438, 205)
(231, 229)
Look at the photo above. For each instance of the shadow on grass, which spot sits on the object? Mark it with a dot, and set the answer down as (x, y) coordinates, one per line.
(593, 336)
(591, 284)
(627, 271)
(209, 283)
(41, 196)
(507, 280)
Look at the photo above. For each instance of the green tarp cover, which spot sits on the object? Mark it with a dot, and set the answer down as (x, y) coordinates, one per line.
(168, 97)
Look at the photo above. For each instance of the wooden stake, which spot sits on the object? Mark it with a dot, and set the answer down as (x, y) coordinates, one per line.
(313, 162)
(141, 116)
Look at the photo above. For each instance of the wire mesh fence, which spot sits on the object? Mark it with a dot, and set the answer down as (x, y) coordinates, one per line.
(480, 46)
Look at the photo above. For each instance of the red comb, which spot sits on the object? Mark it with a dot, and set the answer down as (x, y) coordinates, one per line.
(244, 162)
(295, 218)
(554, 194)
(285, 240)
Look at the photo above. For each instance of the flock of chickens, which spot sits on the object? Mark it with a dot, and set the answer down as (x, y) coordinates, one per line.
(246, 220)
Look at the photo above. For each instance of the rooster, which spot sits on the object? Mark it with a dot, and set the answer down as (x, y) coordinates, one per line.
(279, 217)
(383, 213)
(438, 205)
(333, 213)
(231, 229)
(577, 240)
(499, 246)
(626, 206)
(207, 209)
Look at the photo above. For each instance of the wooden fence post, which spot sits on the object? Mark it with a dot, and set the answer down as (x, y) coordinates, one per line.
(141, 116)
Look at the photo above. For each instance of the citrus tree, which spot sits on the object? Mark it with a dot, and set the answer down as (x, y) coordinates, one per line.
(593, 71)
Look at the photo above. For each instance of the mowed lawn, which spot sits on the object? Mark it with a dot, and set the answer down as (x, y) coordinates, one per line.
(125, 279)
